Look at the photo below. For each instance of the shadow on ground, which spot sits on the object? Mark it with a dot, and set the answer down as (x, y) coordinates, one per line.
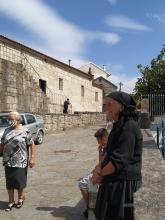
(3, 205)
(66, 212)
(150, 144)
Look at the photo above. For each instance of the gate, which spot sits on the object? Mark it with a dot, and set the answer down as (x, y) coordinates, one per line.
(156, 104)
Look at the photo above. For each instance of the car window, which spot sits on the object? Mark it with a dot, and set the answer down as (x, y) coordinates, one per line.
(3, 121)
(30, 119)
(22, 120)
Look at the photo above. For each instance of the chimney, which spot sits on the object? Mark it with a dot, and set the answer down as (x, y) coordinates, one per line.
(69, 61)
(89, 71)
(104, 67)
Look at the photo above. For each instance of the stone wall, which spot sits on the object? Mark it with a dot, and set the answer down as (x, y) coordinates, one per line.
(18, 91)
(61, 122)
(144, 120)
(37, 67)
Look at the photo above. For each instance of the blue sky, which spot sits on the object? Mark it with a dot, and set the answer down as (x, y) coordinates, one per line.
(116, 33)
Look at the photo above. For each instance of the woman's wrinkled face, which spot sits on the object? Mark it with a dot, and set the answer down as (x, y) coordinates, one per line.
(113, 108)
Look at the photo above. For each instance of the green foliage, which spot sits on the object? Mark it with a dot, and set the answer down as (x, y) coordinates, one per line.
(137, 99)
(152, 77)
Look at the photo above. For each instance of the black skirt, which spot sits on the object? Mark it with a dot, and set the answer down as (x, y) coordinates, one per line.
(115, 200)
(16, 178)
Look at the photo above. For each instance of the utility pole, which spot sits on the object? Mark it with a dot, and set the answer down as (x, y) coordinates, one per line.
(120, 84)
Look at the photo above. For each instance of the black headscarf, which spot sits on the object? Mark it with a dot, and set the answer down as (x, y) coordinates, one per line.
(128, 112)
(123, 98)
(127, 101)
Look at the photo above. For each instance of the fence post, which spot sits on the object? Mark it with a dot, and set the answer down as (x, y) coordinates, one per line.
(163, 150)
(157, 136)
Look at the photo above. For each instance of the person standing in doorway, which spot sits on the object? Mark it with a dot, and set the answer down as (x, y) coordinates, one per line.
(66, 104)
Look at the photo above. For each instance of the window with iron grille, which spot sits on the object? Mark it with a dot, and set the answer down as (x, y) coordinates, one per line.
(96, 97)
(60, 84)
(82, 91)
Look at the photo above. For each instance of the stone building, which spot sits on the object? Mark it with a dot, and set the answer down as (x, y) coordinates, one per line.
(34, 82)
(107, 88)
(100, 78)
(95, 70)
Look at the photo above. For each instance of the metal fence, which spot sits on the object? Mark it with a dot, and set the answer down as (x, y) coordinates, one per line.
(156, 104)
(156, 108)
(158, 132)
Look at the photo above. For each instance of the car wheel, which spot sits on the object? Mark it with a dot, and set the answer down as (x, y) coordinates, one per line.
(39, 138)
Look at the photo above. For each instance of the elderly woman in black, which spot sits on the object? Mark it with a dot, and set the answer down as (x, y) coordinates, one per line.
(119, 174)
(15, 144)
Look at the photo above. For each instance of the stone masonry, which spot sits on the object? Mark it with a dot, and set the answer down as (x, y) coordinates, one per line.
(18, 91)
(54, 122)
(21, 71)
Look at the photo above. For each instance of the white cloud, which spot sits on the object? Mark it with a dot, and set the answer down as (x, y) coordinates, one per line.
(128, 83)
(112, 2)
(59, 37)
(125, 23)
(160, 18)
(109, 38)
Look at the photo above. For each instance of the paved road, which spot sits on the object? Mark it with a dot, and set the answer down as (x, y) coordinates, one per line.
(52, 191)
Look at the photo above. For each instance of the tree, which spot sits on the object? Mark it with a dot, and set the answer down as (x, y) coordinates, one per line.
(153, 77)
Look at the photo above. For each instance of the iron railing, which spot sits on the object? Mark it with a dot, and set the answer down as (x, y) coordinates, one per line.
(156, 104)
(159, 136)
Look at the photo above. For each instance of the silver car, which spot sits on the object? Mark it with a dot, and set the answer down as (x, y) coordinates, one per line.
(34, 123)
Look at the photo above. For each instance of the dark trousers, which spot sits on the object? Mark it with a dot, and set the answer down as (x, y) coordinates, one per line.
(65, 110)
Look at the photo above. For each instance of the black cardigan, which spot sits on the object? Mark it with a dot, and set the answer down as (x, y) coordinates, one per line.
(124, 150)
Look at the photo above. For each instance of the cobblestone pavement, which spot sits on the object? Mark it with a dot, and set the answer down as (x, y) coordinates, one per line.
(52, 191)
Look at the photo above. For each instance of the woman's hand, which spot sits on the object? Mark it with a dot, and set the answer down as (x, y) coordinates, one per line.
(31, 162)
(96, 178)
(97, 169)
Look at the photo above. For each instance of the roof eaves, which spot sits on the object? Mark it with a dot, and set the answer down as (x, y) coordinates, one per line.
(45, 57)
(90, 63)
(97, 85)
(107, 81)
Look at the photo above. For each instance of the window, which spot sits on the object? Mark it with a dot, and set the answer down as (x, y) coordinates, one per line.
(60, 84)
(22, 120)
(82, 90)
(4, 121)
(42, 85)
(96, 97)
(30, 119)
